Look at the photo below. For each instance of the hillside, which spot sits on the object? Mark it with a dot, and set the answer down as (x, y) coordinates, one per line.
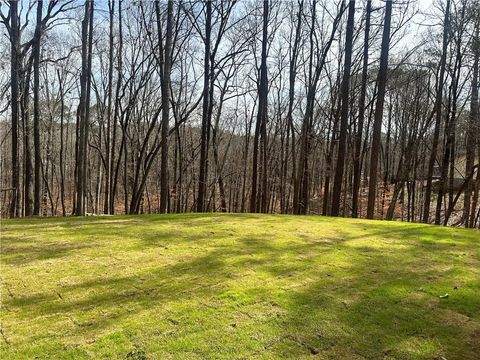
(231, 286)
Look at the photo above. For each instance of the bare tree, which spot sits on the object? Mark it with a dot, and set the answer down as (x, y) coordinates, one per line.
(377, 124)
(342, 140)
(167, 65)
(438, 115)
(258, 199)
(357, 161)
(84, 109)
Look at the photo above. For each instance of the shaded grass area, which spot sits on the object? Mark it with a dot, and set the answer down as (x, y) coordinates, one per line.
(238, 286)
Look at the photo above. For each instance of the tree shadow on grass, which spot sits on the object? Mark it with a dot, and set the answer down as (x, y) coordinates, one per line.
(388, 305)
(30, 251)
(334, 297)
(21, 245)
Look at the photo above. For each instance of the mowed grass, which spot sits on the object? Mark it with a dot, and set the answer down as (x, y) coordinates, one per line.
(198, 286)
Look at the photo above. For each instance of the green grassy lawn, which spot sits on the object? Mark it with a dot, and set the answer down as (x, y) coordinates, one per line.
(199, 286)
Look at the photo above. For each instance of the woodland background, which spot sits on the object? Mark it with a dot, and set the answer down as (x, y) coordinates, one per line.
(344, 108)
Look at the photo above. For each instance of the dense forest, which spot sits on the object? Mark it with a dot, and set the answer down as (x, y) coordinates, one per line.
(349, 108)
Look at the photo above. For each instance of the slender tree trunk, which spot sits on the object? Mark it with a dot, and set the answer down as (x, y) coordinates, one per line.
(165, 84)
(357, 169)
(116, 114)
(36, 110)
(108, 131)
(438, 118)
(260, 127)
(85, 76)
(253, 191)
(62, 146)
(14, 89)
(87, 103)
(205, 131)
(25, 114)
(80, 191)
(472, 128)
(291, 98)
(262, 111)
(303, 173)
(449, 153)
(302, 181)
(345, 92)
(377, 122)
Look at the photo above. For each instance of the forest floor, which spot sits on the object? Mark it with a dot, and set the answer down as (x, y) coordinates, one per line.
(231, 286)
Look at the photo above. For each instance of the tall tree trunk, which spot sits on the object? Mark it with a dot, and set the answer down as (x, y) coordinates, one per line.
(345, 92)
(260, 127)
(438, 116)
(165, 84)
(302, 181)
(62, 142)
(449, 153)
(262, 111)
(83, 110)
(472, 128)
(25, 114)
(36, 109)
(357, 168)
(116, 114)
(14, 89)
(377, 122)
(87, 103)
(291, 98)
(108, 131)
(205, 131)
(303, 173)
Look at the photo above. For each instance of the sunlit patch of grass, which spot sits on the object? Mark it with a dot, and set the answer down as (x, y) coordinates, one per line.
(237, 286)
